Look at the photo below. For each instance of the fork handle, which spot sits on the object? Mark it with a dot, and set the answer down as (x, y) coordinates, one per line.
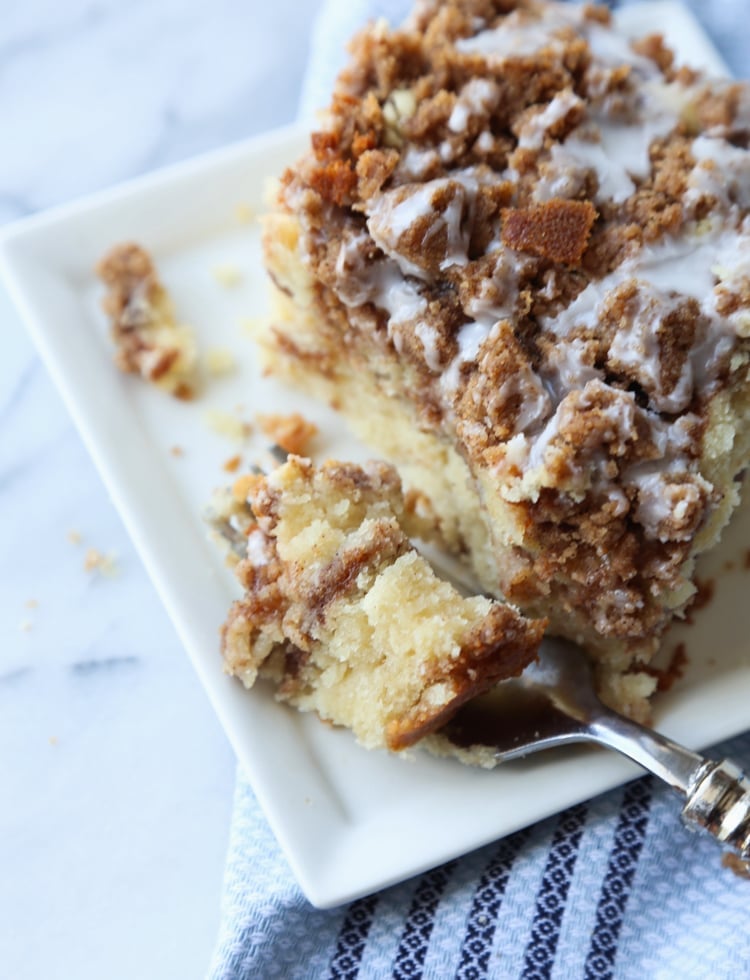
(718, 800)
(717, 794)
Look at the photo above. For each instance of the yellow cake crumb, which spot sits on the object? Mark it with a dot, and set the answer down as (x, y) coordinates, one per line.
(245, 213)
(227, 425)
(227, 275)
(220, 362)
(250, 325)
(97, 561)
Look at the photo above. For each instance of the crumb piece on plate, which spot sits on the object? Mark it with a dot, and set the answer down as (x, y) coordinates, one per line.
(31, 603)
(232, 464)
(227, 425)
(347, 618)
(250, 325)
(149, 340)
(245, 213)
(227, 275)
(220, 362)
(75, 537)
(176, 451)
(97, 561)
(25, 626)
(292, 432)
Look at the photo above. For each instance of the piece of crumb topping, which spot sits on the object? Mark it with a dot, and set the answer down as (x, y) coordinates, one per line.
(148, 338)
(293, 432)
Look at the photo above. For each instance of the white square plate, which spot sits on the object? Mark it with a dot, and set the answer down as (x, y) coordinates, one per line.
(349, 821)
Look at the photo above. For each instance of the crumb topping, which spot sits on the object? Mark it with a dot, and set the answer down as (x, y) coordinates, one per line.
(557, 230)
(292, 432)
(551, 225)
(149, 340)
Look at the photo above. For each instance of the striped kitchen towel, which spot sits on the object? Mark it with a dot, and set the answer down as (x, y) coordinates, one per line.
(609, 888)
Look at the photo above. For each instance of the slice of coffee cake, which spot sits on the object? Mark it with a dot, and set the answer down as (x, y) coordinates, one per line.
(517, 258)
(343, 614)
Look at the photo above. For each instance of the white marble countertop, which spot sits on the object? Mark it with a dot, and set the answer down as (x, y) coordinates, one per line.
(117, 779)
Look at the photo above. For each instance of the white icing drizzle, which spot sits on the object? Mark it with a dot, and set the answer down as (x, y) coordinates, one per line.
(485, 142)
(583, 154)
(353, 279)
(258, 548)
(381, 283)
(497, 292)
(562, 175)
(532, 133)
(721, 171)
(629, 145)
(663, 273)
(393, 212)
(637, 351)
(525, 32)
(534, 403)
(429, 337)
(617, 151)
(566, 368)
(403, 302)
(469, 339)
(522, 33)
(612, 49)
(681, 265)
(414, 163)
(479, 96)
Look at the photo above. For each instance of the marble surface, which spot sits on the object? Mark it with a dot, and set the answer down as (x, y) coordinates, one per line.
(117, 780)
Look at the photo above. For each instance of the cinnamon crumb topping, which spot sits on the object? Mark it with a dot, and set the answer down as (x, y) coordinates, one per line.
(292, 432)
(149, 341)
(537, 234)
(558, 230)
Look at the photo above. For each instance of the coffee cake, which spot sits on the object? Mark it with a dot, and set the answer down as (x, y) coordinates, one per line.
(517, 258)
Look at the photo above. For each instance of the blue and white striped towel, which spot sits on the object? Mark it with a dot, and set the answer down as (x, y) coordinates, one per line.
(609, 888)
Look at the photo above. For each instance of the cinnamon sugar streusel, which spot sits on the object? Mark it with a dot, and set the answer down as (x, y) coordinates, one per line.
(517, 255)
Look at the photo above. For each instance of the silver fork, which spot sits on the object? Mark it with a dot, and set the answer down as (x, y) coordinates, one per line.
(554, 703)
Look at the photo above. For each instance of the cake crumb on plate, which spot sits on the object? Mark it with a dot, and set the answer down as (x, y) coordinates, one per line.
(97, 561)
(227, 425)
(292, 432)
(227, 275)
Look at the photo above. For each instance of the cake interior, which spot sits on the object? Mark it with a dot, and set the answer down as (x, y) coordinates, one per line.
(346, 617)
